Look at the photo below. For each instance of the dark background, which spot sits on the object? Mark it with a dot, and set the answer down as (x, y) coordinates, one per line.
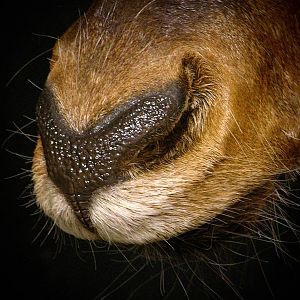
(37, 266)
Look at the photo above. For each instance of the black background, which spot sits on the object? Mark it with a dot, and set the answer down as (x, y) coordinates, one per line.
(36, 266)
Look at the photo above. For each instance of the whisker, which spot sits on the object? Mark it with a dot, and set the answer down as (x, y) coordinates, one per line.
(119, 286)
(26, 64)
(27, 135)
(41, 230)
(45, 35)
(93, 254)
(50, 230)
(18, 131)
(180, 281)
(35, 85)
(27, 117)
(24, 171)
(25, 157)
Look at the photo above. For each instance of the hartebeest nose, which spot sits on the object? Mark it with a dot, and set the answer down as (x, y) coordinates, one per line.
(80, 163)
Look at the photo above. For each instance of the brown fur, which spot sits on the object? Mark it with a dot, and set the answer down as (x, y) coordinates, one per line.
(239, 62)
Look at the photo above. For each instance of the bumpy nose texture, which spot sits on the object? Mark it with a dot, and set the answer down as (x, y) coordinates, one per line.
(80, 163)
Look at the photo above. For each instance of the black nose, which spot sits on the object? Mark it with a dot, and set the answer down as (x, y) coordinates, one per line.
(80, 163)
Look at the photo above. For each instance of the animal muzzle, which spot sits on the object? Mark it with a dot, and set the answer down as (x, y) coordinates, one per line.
(81, 162)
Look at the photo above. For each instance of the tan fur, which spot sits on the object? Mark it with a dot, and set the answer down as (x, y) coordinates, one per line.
(246, 68)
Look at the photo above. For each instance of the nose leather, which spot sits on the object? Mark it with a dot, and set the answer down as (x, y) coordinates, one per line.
(80, 163)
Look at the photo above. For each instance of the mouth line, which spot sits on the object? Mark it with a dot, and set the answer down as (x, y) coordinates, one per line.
(80, 207)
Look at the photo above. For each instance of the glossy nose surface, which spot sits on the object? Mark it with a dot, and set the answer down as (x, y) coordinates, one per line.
(80, 163)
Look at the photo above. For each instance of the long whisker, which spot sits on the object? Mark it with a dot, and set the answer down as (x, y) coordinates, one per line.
(26, 64)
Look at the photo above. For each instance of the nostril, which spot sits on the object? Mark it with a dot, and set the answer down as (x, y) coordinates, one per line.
(79, 163)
